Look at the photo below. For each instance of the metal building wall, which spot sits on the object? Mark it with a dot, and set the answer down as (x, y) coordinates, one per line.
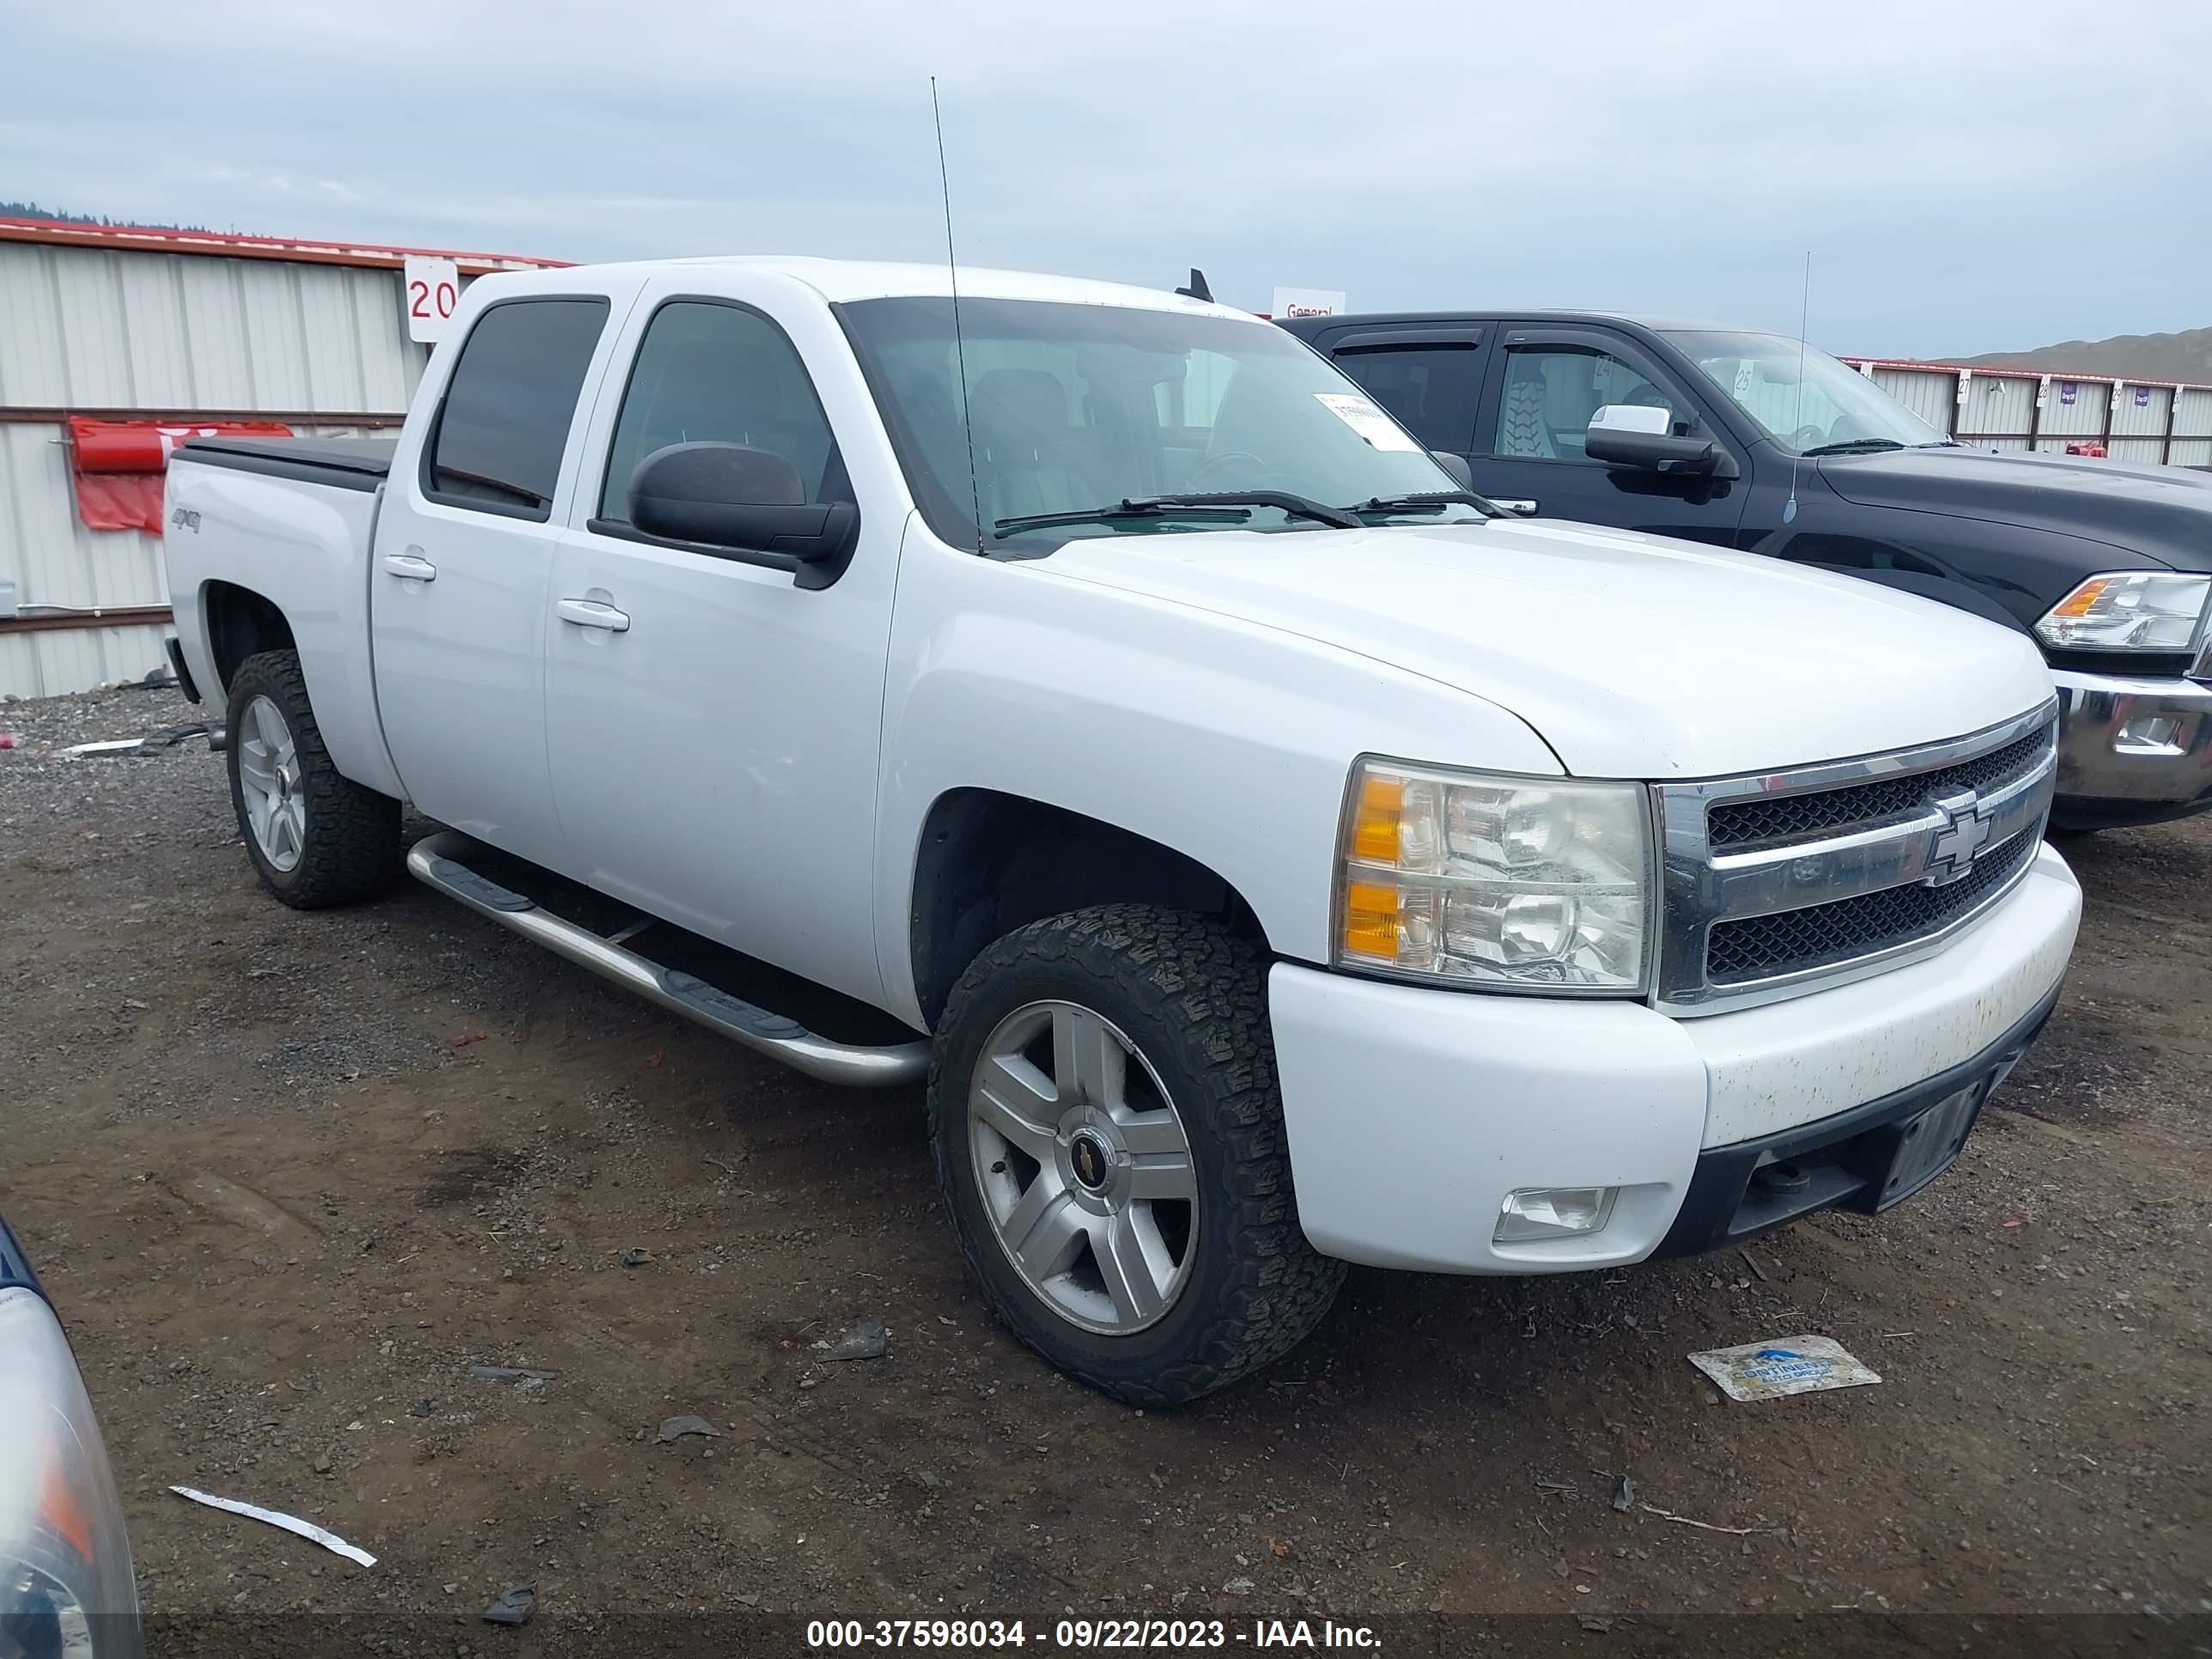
(1995, 405)
(101, 328)
(2194, 414)
(52, 559)
(2139, 422)
(1927, 395)
(94, 329)
(2082, 416)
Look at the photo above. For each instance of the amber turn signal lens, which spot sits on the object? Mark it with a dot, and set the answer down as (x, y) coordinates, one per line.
(2078, 602)
(1375, 829)
(1370, 919)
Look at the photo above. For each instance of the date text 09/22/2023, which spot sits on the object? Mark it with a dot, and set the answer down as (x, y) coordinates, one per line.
(831, 1635)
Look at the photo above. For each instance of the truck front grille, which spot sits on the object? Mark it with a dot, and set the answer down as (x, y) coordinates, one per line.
(1827, 811)
(1791, 941)
(1776, 884)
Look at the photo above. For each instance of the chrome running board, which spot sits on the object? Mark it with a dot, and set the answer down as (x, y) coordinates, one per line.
(439, 861)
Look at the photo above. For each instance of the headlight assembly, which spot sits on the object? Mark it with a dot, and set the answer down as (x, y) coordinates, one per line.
(1480, 880)
(66, 1586)
(2129, 610)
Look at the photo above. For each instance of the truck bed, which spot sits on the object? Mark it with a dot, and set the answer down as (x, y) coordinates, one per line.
(338, 463)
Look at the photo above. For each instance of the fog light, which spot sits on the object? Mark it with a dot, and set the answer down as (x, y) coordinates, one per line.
(1535, 1212)
(2150, 734)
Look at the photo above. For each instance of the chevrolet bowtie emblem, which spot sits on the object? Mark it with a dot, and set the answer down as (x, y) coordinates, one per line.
(1958, 840)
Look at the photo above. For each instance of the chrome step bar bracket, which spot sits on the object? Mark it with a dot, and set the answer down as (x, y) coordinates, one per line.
(441, 861)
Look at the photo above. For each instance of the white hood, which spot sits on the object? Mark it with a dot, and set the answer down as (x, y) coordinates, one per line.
(1633, 656)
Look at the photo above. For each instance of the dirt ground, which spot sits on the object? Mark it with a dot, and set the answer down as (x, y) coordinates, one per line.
(291, 1176)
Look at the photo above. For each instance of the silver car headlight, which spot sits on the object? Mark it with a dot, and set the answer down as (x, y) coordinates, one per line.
(1476, 880)
(2129, 610)
(66, 1584)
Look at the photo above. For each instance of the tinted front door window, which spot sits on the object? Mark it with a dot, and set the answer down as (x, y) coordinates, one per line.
(1552, 392)
(719, 373)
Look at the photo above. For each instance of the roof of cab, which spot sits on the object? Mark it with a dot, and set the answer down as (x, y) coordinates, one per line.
(841, 280)
(1307, 326)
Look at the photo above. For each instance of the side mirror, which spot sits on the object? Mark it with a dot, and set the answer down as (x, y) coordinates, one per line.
(722, 495)
(1635, 441)
(1462, 473)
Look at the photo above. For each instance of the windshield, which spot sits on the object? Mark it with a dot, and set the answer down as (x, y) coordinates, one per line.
(1079, 409)
(1833, 406)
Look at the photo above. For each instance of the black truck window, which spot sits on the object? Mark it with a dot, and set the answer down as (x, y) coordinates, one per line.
(1431, 389)
(1551, 391)
(505, 419)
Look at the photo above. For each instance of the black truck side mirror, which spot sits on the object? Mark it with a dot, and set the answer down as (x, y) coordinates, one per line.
(1636, 436)
(733, 496)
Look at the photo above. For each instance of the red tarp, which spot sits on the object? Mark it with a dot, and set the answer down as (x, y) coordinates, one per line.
(118, 465)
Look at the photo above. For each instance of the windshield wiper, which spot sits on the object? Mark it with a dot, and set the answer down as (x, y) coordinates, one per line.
(1427, 501)
(1283, 501)
(1854, 447)
(1217, 506)
(1136, 507)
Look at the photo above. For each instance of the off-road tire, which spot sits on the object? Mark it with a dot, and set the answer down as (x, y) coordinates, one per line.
(1192, 996)
(350, 850)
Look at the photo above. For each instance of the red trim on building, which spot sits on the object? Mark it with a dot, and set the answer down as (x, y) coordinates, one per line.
(145, 239)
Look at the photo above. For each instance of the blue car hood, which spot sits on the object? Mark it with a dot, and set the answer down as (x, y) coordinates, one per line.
(15, 1266)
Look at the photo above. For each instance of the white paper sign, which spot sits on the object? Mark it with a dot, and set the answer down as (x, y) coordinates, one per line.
(429, 289)
(1368, 422)
(1307, 302)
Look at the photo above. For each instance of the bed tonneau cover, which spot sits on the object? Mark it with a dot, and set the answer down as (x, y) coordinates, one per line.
(339, 463)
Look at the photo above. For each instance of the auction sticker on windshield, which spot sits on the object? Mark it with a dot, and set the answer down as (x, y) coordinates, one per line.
(1368, 422)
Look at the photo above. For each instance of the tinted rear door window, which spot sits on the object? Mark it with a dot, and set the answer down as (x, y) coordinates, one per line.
(1430, 388)
(509, 405)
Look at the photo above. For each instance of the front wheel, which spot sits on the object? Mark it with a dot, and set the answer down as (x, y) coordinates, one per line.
(1108, 1136)
(316, 837)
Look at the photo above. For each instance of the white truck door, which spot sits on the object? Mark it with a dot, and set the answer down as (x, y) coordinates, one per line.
(462, 558)
(715, 724)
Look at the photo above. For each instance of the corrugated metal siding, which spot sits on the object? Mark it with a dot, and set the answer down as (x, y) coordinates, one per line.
(1926, 394)
(2139, 430)
(2002, 408)
(52, 559)
(2082, 418)
(2195, 415)
(93, 328)
(53, 662)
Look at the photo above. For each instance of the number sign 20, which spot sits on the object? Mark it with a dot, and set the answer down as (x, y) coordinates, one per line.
(430, 290)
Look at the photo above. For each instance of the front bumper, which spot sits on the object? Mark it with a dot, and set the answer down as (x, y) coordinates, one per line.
(1412, 1114)
(2131, 751)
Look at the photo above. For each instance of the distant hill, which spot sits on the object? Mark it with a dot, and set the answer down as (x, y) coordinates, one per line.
(2186, 355)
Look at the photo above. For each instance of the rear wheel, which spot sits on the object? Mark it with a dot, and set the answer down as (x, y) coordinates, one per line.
(1109, 1139)
(316, 838)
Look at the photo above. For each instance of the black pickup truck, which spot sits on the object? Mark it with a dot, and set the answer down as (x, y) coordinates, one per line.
(1716, 435)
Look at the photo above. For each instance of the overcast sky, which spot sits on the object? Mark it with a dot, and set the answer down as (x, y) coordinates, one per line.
(1967, 178)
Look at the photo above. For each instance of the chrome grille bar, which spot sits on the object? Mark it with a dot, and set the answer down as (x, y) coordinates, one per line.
(1936, 840)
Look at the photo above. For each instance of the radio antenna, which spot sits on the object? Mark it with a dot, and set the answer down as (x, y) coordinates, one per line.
(1797, 415)
(959, 345)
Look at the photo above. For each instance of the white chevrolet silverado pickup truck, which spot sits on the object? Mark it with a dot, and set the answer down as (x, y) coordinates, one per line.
(1086, 699)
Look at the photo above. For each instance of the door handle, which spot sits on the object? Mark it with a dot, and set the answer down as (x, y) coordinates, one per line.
(1521, 505)
(590, 613)
(411, 566)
